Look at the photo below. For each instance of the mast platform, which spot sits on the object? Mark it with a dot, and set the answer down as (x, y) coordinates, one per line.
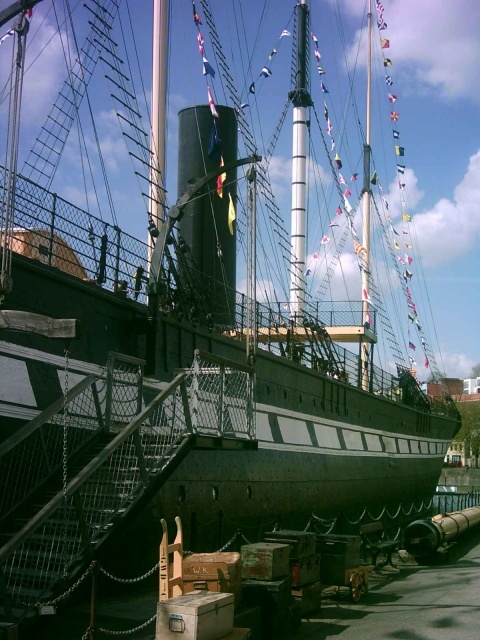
(279, 334)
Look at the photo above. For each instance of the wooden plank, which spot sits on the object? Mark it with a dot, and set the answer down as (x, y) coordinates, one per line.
(36, 323)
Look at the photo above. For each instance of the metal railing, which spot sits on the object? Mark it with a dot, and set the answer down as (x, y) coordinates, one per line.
(57, 233)
(52, 546)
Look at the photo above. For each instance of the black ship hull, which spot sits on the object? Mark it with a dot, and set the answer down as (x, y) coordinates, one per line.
(324, 446)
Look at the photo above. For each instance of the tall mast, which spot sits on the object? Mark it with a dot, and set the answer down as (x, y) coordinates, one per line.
(158, 110)
(365, 347)
(300, 98)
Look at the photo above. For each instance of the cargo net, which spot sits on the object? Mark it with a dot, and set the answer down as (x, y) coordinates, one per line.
(221, 399)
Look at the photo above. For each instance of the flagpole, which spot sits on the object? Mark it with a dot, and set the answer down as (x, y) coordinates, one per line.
(301, 99)
(365, 347)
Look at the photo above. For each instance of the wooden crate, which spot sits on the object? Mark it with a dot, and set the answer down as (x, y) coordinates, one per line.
(337, 545)
(305, 570)
(199, 615)
(265, 561)
(274, 598)
(309, 596)
(239, 634)
(302, 543)
(249, 616)
(218, 572)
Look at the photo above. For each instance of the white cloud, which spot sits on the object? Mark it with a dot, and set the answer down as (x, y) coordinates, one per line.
(455, 365)
(434, 45)
(451, 228)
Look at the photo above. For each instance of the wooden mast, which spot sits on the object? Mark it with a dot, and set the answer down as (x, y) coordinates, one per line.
(158, 111)
(365, 347)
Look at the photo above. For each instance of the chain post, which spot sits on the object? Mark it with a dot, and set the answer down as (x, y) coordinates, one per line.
(65, 452)
(109, 392)
(93, 601)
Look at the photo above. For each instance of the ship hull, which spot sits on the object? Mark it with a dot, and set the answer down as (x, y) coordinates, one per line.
(324, 446)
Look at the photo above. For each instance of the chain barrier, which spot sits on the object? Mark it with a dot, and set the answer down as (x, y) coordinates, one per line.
(400, 508)
(128, 631)
(364, 513)
(63, 596)
(128, 580)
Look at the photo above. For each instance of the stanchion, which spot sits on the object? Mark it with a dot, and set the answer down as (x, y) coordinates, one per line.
(93, 601)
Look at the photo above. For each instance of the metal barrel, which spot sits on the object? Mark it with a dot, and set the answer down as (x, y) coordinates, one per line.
(423, 537)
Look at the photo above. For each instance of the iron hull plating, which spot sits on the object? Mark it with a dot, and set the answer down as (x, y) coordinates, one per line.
(324, 446)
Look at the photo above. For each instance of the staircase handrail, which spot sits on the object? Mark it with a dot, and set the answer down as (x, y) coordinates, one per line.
(45, 415)
(93, 466)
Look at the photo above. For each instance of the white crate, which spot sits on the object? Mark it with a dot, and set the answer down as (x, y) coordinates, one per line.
(199, 615)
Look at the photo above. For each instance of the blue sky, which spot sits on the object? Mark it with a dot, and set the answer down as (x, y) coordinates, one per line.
(434, 47)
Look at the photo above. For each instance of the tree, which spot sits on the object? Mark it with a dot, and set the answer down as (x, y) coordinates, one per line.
(475, 371)
(469, 433)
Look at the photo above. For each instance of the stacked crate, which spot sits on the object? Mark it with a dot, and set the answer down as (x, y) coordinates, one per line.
(217, 572)
(199, 615)
(267, 582)
(304, 567)
(339, 553)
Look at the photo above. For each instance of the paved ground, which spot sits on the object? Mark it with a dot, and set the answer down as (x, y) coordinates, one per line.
(440, 601)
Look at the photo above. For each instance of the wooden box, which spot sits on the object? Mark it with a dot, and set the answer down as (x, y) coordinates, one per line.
(218, 572)
(309, 596)
(274, 598)
(337, 545)
(239, 634)
(265, 561)
(302, 543)
(249, 616)
(199, 615)
(305, 570)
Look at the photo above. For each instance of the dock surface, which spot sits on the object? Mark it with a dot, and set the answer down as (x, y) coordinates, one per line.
(436, 601)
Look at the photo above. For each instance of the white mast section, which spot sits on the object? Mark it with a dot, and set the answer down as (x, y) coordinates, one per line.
(158, 111)
(301, 100)
(365, 347)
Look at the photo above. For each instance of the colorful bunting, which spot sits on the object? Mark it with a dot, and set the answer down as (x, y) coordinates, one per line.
(325, 240)
(384, 43)
(196, 17)
(359, 248)
(211, 104)
(354, 177)
(392, 98)
(220, 180)
(200, 41)
(208, 70)
(374, 178)
(399, 151)
(389, 80)
(412, 346)
(394, 116)
(265, 72)
(396, 134)
(324, 88)
(406, 217)
(338, 162)
(387, 62)
(285, 33)
(231, 213)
